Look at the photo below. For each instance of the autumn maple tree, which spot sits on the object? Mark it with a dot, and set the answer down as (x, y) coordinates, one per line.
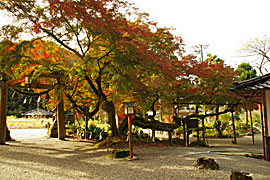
(109, 38)
(107, 52)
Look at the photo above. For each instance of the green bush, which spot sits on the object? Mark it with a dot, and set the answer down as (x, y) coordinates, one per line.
(71, 128)
(97, 133)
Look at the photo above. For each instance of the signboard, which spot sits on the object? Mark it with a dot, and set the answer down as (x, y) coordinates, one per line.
(192, 123)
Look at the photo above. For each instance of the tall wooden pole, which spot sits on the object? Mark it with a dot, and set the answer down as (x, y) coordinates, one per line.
(266, 104)
(86, 127)
(153, 135)
(3, 112)
(60, 114)
(261, 107)
(251, 124)
(130, 137)
(198, 132)
(185, 132)
(203, 129)
(234, 132)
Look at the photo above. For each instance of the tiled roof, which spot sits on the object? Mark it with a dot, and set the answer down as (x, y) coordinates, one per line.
(255, 84)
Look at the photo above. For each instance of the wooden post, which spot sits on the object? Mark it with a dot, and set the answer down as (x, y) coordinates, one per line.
(86, 127)
(3, 112)
(267, 147)
(153, 135)
(198, 133)
(185, 132)
(187, 138)
(266, 101)
(234, 132)
(60, 114)
(263, 135)
(203, 129)
(130, 137)
(170, 138)
(251, 124)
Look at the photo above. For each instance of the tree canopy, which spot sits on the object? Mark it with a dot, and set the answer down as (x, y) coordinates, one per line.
(107, 52)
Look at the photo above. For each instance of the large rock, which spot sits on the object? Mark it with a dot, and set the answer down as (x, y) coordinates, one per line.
(238, 175)
(120, 153)
(207, 163)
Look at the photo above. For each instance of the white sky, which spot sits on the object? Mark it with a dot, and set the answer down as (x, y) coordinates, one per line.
(222, 24)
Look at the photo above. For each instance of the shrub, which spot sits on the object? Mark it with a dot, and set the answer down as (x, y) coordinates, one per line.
(97, 133)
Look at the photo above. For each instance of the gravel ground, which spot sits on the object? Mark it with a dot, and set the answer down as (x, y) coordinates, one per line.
(42, 158)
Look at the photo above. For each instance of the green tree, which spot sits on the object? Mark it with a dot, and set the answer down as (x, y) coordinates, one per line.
(246, 71)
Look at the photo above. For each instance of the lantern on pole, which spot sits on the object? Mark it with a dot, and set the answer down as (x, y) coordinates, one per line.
(130, 111)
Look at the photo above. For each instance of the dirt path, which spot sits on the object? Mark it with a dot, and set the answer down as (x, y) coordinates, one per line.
(42, 158)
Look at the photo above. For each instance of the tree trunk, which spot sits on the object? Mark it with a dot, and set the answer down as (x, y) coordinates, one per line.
(3, 112)
(160, 126)
(217, 124)
(109, 108)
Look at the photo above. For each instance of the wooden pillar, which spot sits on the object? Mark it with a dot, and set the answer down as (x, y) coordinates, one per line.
(198, 133)
(153, 135)
(251, 124)
(185, 132)
(170, 137)
(60, 114)
(3, 112)
(234, 132)
(203, 129)
(266, 103)
(187, 143)
(86, 127)
(263, 135)
(197, 113)
(130, 137)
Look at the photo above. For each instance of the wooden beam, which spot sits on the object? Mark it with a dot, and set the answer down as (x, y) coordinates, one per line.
(34, 86)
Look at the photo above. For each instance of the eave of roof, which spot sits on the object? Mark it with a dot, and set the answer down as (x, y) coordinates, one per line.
(254, 84)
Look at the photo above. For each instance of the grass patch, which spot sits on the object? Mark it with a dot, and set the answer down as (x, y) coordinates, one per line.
(27, 123)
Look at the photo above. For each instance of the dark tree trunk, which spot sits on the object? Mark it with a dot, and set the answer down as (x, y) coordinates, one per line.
(109, 108)
(217, 124)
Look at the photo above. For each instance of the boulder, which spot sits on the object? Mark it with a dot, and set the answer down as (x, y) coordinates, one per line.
(239, 175)
(207, 163)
